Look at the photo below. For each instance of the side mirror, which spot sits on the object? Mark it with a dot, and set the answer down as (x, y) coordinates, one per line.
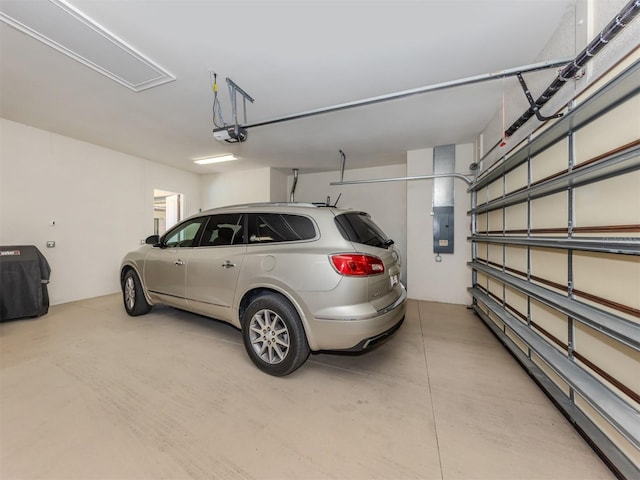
(152, 240)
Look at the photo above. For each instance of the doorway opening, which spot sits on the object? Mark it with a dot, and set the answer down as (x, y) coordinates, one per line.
(168, 209)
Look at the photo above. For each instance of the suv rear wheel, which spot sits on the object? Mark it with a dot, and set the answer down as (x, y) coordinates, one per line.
(273, 335)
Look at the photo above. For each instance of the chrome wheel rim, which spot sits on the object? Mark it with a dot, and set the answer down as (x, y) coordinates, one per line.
(269, 336)
(129, 293)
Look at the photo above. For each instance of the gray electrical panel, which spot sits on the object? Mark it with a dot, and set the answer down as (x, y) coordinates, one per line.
(442, 229)
(444, 161)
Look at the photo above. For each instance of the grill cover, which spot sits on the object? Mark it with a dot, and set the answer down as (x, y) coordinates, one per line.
(24, 275)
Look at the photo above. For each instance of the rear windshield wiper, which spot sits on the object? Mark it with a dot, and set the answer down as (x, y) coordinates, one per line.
(388, 242)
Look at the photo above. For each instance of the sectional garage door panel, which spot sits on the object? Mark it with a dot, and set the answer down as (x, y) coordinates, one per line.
(556, 262)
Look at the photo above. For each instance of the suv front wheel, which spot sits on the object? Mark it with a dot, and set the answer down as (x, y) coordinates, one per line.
(134, 302)
(273, 335)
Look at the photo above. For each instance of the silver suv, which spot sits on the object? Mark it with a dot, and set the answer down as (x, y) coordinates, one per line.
(294, 278)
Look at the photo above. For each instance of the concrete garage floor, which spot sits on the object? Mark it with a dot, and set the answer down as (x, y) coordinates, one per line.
(88, 392)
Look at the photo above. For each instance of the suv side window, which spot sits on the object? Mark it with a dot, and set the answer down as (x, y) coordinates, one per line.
(276, 227)
(184, 234)
(358, 227)
(225, 229)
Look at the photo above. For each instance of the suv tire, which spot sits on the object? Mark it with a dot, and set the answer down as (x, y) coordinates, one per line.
(132, 295)
(273, 335)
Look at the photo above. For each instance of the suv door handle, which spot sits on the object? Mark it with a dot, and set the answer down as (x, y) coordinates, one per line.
(228, 264)
(178, 262)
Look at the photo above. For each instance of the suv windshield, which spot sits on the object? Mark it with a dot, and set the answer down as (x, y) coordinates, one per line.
(358, 227)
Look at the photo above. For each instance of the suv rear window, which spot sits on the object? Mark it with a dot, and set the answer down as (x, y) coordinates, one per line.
(358, 227)
(275, 227)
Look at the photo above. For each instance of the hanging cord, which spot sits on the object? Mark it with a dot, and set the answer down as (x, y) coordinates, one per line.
(216, 103)
(503, 141)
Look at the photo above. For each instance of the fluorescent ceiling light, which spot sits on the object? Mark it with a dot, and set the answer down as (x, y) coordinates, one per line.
(218, 159)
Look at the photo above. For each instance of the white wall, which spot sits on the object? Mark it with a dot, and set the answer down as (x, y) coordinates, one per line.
(444, 281)
(278, 187)
(386, 202)
(247, 186)
(101, 201)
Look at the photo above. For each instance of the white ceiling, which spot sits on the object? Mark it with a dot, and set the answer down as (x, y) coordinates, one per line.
(290, 56)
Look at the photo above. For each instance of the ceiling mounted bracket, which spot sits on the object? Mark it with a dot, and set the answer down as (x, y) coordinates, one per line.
(234, 89)
(532, 103)
(234, 133)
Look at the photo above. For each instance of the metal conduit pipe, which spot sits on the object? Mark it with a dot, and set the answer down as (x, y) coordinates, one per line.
(626, 15)
(343, 160)
(293, 187)
(468, 180)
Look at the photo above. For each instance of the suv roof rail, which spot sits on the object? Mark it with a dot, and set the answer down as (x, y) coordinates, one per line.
(277, 204)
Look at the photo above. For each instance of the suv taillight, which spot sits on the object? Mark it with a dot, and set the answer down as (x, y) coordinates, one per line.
(357, 264)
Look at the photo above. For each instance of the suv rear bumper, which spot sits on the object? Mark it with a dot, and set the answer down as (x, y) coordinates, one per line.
(361, 333)
(373, 341)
